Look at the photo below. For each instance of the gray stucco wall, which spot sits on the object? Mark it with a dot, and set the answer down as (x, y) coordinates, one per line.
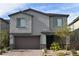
(75, 35)
(53, 20)
(40, 22)
(13, 24)
(74, 26)
(75, 39)
(36, 25)
(4, 25)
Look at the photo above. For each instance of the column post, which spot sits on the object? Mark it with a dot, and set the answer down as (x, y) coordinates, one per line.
(11, 42)
(43, 41)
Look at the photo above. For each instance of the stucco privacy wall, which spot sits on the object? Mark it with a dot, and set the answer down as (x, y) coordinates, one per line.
(40, 22)
(13, 24)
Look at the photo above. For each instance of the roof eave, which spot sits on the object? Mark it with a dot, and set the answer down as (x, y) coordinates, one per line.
(4, 20)
(39, 12)
(75, 20)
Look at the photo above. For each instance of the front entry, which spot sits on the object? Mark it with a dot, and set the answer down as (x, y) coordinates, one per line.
(49, 40)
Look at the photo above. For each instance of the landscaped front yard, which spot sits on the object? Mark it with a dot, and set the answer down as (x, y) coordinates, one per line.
(38, 53)
(61, 53)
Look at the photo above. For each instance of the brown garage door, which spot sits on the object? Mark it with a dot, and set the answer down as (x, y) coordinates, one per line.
(29, 42)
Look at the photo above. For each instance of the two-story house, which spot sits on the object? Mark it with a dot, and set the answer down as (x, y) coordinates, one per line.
(32, 29)
(75, 29)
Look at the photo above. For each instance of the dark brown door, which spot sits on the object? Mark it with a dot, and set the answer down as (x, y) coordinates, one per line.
(27, 42)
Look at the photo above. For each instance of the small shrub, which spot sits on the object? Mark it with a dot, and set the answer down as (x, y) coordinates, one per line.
(67, 53)
(0, 52)
(55, 46)
(44, 51)
(68, 47)
(1, 47)
(60, 54)
(3, 51)
(74, 53)
(8, 48)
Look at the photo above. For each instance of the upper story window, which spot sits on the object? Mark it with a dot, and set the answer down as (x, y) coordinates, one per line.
(59, 22)
(21, 22)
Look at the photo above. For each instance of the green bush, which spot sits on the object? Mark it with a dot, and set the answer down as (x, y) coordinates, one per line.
(55, 46)
(8, 48)
(4, 39)
(1, 47)
(3, 51)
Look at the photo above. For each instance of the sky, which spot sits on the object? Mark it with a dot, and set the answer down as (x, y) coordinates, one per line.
(60, 8)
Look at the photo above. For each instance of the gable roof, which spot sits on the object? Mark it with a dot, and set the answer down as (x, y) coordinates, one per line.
(75, 20)
(6, 21)
(19, 12)
(48, 14)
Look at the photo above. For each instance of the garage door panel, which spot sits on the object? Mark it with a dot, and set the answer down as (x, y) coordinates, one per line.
(32, 42)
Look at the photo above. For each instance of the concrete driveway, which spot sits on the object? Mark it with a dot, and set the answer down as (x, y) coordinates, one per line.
(23, 53)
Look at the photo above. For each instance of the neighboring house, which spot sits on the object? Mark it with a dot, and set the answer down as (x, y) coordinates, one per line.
(4, 26)
(75, 29)
(32, 29)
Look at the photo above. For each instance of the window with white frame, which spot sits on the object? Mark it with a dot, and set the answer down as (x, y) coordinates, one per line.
(59, 22)
(21, 22)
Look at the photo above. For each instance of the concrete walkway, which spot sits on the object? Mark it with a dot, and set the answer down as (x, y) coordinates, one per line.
(23, 53)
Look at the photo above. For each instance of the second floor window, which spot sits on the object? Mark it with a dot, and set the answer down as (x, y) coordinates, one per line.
(59, 22)
(21, 22)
